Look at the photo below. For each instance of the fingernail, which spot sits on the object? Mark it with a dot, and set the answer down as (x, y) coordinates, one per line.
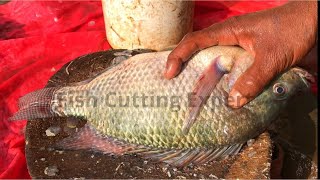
(236, 100)
(167, 72)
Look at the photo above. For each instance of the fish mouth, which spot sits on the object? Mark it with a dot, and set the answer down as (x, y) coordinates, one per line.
(305, 76)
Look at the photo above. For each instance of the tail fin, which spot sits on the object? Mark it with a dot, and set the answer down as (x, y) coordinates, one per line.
(36, 104)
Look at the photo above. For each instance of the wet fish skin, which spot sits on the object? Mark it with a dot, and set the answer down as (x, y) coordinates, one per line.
(217, 125)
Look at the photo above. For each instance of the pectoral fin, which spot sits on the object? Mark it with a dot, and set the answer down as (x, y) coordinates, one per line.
(201, 92)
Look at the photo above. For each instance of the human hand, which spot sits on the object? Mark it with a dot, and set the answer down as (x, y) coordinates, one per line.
(277, 38)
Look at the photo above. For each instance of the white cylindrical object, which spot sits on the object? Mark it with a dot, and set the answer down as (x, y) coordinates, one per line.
(150, 24)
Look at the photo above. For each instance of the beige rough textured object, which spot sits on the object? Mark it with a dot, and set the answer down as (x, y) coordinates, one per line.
(254, 161)
(132, 24)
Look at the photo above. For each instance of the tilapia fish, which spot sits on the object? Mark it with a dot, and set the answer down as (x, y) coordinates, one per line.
(132, 108)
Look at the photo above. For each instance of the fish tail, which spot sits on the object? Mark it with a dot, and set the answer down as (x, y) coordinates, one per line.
(37, 104)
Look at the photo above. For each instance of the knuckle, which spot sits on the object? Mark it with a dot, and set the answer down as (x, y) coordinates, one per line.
(172, 57)
(238, 27)
(191, 40)
(273, 63)
(233, 22)
(230, 29)
(252, 84)
(189, 36)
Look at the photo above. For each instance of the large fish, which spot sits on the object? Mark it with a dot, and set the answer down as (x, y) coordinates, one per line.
(132, 108)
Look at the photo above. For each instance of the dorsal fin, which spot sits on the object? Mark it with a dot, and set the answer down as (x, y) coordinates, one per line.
(115, 62)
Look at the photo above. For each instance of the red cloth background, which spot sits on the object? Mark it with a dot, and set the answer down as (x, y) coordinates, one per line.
(38, 37)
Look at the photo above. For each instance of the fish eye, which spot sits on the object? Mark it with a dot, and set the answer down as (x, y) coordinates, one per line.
(279, 90)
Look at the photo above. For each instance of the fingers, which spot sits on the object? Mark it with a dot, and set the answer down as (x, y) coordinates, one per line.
(221, 33)
(252, 82)
(173, 66)
(188, 46)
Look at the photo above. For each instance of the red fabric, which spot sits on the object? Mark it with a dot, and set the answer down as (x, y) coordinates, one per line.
(38, 37)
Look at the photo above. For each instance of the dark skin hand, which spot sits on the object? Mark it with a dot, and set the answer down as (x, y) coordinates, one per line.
(277, 38)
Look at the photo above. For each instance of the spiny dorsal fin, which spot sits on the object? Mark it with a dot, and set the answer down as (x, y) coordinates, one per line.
(115, 62)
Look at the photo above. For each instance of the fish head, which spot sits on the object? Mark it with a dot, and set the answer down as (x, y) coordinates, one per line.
(254, 117)
(276, 95)
(290, 83)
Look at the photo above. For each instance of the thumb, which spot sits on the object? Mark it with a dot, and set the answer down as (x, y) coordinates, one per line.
(252, 82)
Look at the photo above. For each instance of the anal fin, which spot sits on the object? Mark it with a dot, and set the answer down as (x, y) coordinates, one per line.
(186, 159)
(182, 158)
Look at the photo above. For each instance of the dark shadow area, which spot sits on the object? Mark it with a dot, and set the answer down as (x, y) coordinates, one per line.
(296, 132)
(10, 29)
